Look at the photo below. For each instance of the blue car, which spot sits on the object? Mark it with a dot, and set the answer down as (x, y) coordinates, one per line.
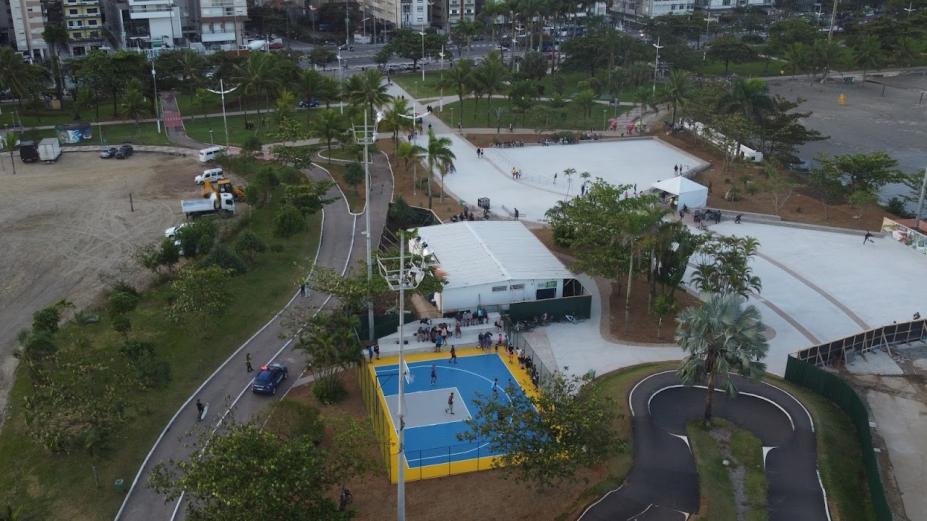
(269, 378)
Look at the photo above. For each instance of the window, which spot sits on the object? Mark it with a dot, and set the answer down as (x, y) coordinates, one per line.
(419, 9)
(499, 288)
(94, 34)
(92, 10)
(72, 11)
(78, 35)
(517, 286)
(547, 284)
(92, 22)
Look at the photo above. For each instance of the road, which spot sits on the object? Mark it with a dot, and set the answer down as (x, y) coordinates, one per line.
(227, 391)
(663, 483)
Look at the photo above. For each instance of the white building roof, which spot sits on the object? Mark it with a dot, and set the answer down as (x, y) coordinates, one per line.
(473, 253)
(679, 185)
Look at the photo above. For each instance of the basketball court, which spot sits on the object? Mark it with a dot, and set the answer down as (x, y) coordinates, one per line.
(432, 446)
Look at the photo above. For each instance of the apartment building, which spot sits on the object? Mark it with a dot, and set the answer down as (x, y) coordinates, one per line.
(84, 22)
(640, 9)
(157, 21)
(385, 11)
(460, 10)
(722, 5)
(415, 14)
(222, 22)
(27, 18)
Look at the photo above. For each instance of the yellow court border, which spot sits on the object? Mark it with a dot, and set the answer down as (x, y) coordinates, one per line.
(455, 467)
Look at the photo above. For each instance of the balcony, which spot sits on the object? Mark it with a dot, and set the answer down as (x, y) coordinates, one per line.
(71, 3)
(80, 16)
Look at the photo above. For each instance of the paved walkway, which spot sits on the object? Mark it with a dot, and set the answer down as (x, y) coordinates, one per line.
(663, 483)
(342, 245)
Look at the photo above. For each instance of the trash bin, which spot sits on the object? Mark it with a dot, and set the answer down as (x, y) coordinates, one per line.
(120, 486)
(483, 202)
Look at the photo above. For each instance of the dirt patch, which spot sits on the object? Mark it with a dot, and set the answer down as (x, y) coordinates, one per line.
(801, 207)
(640, 324)
(488, 140)
(69, 227)
(418, 196)
(485, 495)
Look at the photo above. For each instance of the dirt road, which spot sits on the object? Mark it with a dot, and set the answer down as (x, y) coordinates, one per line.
(68, 231)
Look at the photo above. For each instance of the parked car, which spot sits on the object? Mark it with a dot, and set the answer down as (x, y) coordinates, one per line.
(127, 149)
(269, 378)
(309, 103)
(108, 153)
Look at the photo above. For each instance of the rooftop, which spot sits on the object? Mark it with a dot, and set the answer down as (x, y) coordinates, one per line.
(472, 253)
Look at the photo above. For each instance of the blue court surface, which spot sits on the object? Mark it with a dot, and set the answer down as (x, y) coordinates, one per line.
(431, 431)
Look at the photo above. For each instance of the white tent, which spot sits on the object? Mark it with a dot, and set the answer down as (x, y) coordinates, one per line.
(688, 192)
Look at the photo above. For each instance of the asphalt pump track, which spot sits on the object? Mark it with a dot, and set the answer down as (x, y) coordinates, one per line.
(663, 482)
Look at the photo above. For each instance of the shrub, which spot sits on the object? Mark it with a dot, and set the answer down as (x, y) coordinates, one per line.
(121, 302)
(289, 175)
(896, 206)
(288, 221)
(198, 238)
(249, 244)
(224, 258)
(121, 324)
(152, 372)
(291, 419)
(329, 390)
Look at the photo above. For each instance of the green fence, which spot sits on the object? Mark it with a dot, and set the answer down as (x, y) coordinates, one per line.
(382, 325)
(579, 306)
(838, 391)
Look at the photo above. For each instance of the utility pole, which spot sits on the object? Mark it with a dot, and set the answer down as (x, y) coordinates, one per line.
(656, 66)
(366, 138)
(920, 202)
(833, 19)
(154, 78)
(347, 26)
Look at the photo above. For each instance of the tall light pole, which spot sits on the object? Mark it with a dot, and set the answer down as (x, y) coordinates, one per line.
(222, 92)
(920, 203)
(656, 65)
(708, 20)
(366, 138)
(340, 81)
(154, 78)
(347, 23)
(833, 19)
(423, 51)
(400, 279)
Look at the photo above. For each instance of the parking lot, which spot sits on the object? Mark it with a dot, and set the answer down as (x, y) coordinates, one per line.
(68, 229)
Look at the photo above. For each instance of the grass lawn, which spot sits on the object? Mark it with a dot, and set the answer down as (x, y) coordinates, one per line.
(141, 134)
(264, 128)
(430, 88)
(752, 68)
(744, 452)
(51, 486)
(481, 115)
(44, 116)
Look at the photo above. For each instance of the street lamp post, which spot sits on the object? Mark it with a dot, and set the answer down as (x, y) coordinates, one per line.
(708, 20)
(656, 64)
(423, 54)
(920, 202)
(154, 78)
(340, 81)
(212, 139)
(367, 138)
(222, 92)
(400, 279)
(441, 99)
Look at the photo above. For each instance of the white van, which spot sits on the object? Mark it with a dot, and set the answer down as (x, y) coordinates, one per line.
(211, 153)
(212, 175)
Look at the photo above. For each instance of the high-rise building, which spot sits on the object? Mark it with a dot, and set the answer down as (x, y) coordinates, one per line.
(28, 20)
(385, 11)
(7, 37)
(222, 22)
(653, 8)
(84, 22)
(415, 14)
(460, 10)
(161, 18)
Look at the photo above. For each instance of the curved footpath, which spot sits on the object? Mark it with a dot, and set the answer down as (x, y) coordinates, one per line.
(663, 483)
(341, 245)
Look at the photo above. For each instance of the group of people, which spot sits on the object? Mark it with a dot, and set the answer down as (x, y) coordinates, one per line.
(473, 318)
(436, 334)
(516, 173)
(508, 144)
(680, 169)
(485, 341)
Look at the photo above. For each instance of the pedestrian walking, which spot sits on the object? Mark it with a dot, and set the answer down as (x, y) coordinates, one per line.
(302, 289)
(450, 404)
(516, 214)
(376, 350)
(199, 409)
(453, 355)
(737, 219)
(370, 352)
(676, 169)
(868, 238)
(434, 374)
(248, 367)
(511, 351)
(495, 388)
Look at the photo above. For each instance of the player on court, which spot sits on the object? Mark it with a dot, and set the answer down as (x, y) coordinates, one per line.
(450, 404)
(434, 374)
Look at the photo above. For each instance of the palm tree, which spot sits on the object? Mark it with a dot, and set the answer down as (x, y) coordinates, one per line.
(410, 152)
(678, 90)
(57, 37)
(133, 102)
(12, 69)
(721, 337)
(439, 155)
(328, 127)
(749, 98)
(458, 78)
(585, 99)
(397, 118)
(310, 86)
(868, 53)
(797, 56)
(256, 76)
(491, 75)
(367, 90)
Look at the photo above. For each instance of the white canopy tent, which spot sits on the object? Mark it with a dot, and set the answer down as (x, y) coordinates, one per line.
(688, 192)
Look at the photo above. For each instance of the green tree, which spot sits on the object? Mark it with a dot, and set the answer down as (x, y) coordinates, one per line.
(257, 76)
(546, 437)
(827, 55)
(307, 197)
(133, 103)
(863, 172)
(330, 127)
(354, 175)
(56, 36)
(329, 341)
(585, 100)
(723, 266)
(721, 337)
(678, 90)
(868, 53)
(203, 100)
(288, 221)
(367, 90)
(122, 325)
(797, 56)
(397, 118)
(828, 186)
(410, 153)
(491, 75)
(440, 156)
(249, 245)
(860, 199)
(321, 56)
(729, 49)
(459, 77)
(244, 469)
(199, 293)
(197, 238)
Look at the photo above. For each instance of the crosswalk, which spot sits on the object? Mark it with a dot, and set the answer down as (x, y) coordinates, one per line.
(172, 119)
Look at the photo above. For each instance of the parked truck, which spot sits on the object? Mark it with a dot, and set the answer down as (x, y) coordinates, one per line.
(28, 151)
(49, 149)
(216, 203)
